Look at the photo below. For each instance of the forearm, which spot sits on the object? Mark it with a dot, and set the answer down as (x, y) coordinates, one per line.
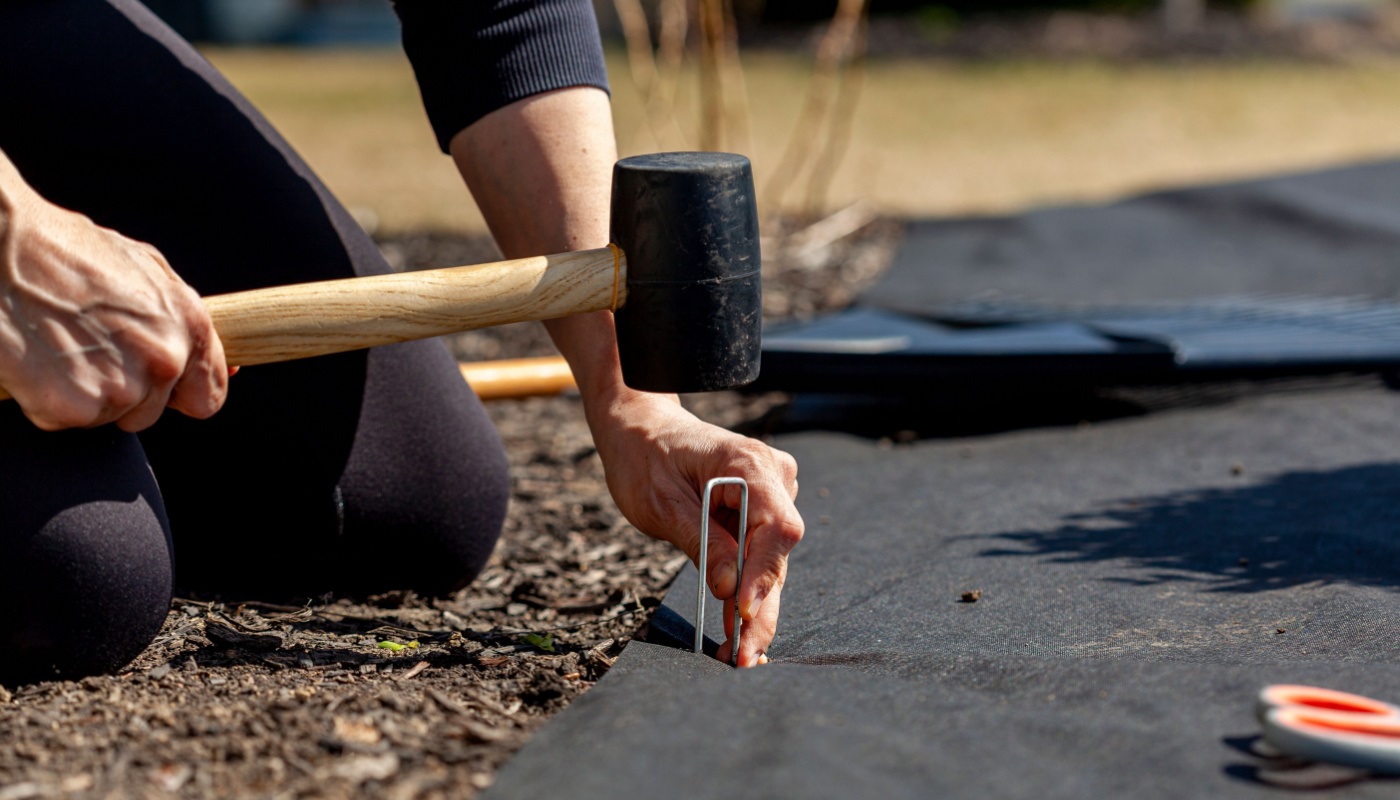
(541, 171)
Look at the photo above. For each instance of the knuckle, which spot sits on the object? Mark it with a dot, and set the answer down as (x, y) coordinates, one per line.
(787, 463)
(197, 318)
(166, 363)
(756, 450)
(154, 254)
(751, 458)
(755, 457)
(789, 532)
(123, 396)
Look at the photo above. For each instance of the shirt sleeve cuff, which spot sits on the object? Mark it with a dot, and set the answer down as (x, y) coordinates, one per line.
(472, 58)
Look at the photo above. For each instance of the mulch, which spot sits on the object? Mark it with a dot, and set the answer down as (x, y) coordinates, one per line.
(396, 695)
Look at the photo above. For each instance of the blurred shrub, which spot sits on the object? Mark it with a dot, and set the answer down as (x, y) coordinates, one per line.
(929, 12)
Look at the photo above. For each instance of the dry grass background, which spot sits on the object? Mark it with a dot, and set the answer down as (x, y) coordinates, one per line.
(928, 138)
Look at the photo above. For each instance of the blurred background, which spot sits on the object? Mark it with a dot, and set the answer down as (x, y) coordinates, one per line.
(892, 108)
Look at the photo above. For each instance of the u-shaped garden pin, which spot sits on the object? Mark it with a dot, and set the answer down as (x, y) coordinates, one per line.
(705, 561)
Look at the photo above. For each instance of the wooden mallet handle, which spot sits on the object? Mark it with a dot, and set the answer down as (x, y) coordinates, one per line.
(283, 323)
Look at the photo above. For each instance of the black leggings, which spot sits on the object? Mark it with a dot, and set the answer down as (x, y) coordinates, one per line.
(352, 473)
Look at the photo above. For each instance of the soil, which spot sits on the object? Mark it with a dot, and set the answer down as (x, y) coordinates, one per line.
(400, 696)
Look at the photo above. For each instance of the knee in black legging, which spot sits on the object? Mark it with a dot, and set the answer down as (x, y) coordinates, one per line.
(85, 550)
(407, 492)
(425, 510)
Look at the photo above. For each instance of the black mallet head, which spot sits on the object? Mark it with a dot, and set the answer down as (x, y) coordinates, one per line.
(689, 227)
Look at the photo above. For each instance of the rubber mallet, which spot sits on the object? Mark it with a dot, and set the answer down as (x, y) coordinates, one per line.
(682, 275)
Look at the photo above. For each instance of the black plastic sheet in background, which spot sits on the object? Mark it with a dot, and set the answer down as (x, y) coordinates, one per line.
(1331, 232)
(1256, 279)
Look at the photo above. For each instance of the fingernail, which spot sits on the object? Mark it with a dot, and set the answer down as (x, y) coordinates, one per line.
(762, 658)
(724, 585)
(750, 609)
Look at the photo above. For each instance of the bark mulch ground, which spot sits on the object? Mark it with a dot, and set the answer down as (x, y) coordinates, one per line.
(396, 695)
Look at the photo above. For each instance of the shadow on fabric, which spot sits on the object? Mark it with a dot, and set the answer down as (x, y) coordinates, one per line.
(1327, 527)
(964, 411)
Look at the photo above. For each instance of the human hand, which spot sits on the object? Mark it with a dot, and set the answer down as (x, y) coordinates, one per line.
(96, 327)
(658, 457)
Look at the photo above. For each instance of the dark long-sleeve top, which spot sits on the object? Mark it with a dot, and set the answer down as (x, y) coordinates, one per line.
(472, 57)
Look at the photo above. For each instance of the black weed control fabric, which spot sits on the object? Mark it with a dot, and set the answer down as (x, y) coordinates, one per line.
(1335, 232)
(1140, 579)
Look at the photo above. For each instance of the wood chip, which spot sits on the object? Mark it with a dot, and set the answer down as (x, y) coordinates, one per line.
(171, 777)
(448, 704)
(300, 615)
(414, 671)
(76, 783)
(508, 649)
(354, 731)
(473, 729)
(225, 634)
(361, 768)
(598, 654)
(21, 791)
(580, 605)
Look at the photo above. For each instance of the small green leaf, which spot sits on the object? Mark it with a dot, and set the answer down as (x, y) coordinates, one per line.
(545, 643)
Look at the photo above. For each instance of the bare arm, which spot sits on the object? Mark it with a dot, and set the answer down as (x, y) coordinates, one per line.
(540, 169)
(96, 327)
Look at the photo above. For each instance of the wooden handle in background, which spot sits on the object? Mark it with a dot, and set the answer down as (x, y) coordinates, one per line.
(284, 323)
(510, 379)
